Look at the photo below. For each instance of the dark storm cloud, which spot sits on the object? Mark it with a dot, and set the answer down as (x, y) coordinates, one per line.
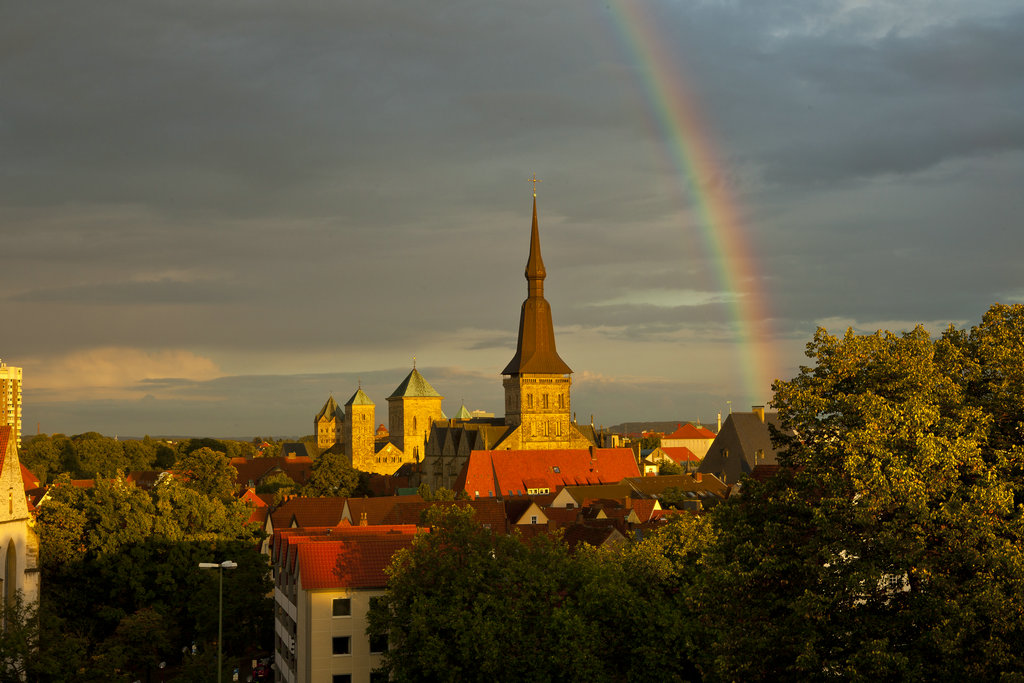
(347, 181)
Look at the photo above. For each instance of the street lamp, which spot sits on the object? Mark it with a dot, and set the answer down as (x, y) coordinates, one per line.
(226, 564)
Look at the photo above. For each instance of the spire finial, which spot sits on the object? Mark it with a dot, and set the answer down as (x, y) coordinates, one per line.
(414, 362)
(534, 179)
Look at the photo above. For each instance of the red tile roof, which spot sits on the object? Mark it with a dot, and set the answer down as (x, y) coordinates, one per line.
(505, 472)
(680, 454)
(30, 480)
(377, 509)
(689, 431)
(5, 439)
(351, 563)
(308, 512)
(644, 509)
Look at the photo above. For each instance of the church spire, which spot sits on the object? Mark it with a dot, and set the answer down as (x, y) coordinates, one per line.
(535, 351)
(535, 272)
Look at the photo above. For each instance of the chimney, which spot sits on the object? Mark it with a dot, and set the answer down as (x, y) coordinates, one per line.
(759, 411)
(698, 477)
(719, 422)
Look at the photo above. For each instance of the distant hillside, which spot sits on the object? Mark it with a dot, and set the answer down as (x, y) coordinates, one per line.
(639, 427)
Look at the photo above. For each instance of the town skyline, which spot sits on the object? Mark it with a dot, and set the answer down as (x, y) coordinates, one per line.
(215, 218)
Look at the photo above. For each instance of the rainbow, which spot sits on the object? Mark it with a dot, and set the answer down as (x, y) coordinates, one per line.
(692, 157)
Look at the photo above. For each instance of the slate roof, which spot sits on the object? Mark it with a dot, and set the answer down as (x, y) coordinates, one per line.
(488, 513)
(359, 399)
(505, 472)
(592, 534)
(294, 450)
(414, 386)
(376, 509)
(734, 451)
(330, 411)
(655, 486)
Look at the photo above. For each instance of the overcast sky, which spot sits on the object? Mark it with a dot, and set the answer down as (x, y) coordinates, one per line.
(215, 214)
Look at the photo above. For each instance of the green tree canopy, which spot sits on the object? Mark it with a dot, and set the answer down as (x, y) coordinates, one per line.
(464, 604)
(890, 546)
(207, 471)
(332, 475)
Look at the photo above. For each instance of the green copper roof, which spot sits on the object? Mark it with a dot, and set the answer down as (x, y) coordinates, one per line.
(414, 386)
(330, 410)
(359, 399)
(463, 414)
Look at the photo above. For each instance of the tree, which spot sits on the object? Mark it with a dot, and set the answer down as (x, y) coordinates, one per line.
(207, 471)
(42, 456)
(889, 546)
(332, 475)
(117, 560)
(466, 604)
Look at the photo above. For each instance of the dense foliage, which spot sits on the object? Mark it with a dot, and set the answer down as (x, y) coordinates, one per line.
(122, 585)
(890, 546)
(88, 455)
(467, 605)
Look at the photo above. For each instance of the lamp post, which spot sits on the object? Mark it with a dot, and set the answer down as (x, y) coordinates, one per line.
(226, 564)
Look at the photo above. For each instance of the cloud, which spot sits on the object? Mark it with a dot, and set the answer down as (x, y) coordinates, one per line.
(115, 372)
(667, 298)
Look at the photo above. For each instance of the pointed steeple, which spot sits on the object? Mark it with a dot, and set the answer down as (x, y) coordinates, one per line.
(535, 351)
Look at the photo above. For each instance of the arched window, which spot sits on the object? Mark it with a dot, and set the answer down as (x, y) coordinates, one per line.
(10, 575)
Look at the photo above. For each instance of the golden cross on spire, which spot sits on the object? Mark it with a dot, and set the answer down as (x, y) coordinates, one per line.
(534, 180)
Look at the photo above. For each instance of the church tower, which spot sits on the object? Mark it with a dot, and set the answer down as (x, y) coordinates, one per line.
(359, 429)
(412, 409)
(537, 380)
(328, 425)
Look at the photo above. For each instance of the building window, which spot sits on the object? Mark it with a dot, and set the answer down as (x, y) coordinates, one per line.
(529, 400)
(545, 400)
(378, 644)
(341, 645)
(341, 678)
(342, 607)
(533, 519)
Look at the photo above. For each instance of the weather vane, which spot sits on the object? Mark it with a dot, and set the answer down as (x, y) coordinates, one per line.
(534, 180)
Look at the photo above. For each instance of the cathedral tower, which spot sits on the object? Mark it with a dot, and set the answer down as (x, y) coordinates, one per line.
(412, 409)
(537, 380)
(359, 429)
(328, 425)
